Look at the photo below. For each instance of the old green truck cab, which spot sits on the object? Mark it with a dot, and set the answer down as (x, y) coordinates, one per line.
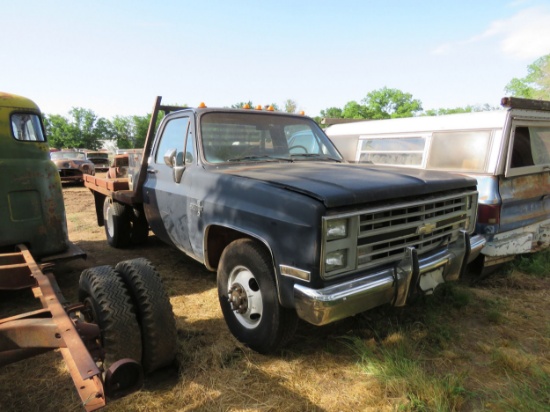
(32, 211)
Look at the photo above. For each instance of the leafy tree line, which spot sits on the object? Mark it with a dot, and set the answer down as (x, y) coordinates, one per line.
(84, 129)
(536, 85)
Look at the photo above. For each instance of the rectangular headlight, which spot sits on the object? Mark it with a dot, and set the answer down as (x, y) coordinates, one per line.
(337, 229)
(336, 260)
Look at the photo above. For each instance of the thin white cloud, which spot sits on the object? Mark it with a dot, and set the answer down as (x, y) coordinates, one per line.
(443, 49)
(525, 35)
(530, 37)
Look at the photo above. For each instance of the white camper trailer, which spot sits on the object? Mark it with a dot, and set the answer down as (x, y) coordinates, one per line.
(508, 151)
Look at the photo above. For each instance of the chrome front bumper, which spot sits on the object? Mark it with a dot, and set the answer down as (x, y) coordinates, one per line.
(477, 242)
(392, 285)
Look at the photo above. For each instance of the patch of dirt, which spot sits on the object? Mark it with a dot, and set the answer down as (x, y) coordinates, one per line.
(318, 371)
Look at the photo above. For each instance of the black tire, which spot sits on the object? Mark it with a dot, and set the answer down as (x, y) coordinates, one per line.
(109, 305)
(140, 227)
(477, 271)
(248, 298)
(154, 312)
(117, 223)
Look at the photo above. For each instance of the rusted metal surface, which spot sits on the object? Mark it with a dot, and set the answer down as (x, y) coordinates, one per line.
(123, 377)
(14, 272)
(119, 168)
(106, 183)
(52, 327)
(521, 103)
(525, 200)
(34, 211)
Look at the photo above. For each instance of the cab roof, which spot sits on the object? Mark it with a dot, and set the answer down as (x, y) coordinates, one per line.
(202, 110)
(17, 102)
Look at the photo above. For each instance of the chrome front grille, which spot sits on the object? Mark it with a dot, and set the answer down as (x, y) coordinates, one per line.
(375, 237)
(383, 235)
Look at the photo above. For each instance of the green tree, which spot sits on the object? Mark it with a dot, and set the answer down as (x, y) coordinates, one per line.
(466, 109)
(141, 127)
(383, 103)
(57, 130)
(354, 110)
(240, 105)
(536, 84)
(124, 132)
(332, 112)
(388, 103)
(82, 130)
(290, 106)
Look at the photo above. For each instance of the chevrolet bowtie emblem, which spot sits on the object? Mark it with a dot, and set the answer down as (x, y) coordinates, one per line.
(426, 229)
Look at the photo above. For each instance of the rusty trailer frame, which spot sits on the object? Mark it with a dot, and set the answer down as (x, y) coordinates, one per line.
(55, 326)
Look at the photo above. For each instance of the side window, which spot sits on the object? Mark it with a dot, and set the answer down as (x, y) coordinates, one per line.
(404, 151)
(462, 151)
(173, 137)
(531, 146)
(303, 142)
(27, 127)
(189, 148)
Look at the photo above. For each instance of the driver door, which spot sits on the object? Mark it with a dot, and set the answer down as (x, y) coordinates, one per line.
(168, 183)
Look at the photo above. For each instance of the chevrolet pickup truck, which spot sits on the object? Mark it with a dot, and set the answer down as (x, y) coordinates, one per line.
(292, 230)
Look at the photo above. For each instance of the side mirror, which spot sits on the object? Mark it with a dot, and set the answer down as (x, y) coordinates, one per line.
(170, 157)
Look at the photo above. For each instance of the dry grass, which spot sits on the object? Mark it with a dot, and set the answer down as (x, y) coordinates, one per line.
(468, 348)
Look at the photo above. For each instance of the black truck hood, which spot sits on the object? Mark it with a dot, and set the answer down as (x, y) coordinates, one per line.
(341, 184)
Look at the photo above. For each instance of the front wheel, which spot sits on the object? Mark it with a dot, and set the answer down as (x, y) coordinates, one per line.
(248, 297)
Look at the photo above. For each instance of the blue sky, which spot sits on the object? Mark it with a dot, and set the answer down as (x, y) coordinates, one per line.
(114, 57)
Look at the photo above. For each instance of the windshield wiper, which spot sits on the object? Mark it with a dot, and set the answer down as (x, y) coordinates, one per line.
(316, 156)
(259, 157)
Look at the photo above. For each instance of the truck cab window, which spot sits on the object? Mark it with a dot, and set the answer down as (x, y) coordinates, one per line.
(173, 137)
(27, 127)
(189, 148)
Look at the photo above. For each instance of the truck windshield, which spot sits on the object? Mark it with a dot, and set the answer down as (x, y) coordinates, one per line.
(97, 155)
(260, 137)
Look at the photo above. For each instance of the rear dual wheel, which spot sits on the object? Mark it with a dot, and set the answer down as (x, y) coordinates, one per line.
(124, 225)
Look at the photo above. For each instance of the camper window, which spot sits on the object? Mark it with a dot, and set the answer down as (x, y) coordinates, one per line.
(404, 151)
(461, 151)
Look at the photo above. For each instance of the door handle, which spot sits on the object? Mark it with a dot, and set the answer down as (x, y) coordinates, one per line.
(152, 171)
